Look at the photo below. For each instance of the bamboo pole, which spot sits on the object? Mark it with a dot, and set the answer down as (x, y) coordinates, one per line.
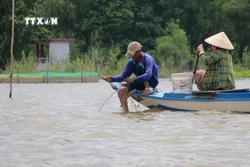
(11, 49)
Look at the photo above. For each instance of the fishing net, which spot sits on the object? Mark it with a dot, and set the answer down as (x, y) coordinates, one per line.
(50, 77)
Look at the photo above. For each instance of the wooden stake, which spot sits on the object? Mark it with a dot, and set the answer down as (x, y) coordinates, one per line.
(11, 49)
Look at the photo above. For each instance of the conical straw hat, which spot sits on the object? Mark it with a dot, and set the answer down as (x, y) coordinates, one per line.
(220, 40)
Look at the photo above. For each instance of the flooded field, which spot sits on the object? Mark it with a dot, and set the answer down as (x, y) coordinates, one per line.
(80, 124)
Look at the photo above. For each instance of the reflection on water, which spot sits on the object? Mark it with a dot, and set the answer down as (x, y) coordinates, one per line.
(81, 125)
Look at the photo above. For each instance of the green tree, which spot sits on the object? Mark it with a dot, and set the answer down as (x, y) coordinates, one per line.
(172, 48)
(110, 19)
(193, 15)
(147, 22)
(236, 15)
(25, 35)
(65, 11)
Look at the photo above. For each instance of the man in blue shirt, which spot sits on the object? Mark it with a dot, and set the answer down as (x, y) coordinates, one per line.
(145, 70)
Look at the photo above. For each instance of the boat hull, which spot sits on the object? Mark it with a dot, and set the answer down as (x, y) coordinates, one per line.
(177, 105)
(233, 100)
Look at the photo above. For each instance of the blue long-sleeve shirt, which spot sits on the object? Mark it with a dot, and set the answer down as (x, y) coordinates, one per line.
(150, 75)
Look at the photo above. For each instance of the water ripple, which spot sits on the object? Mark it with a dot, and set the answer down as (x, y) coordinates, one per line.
(81, 125)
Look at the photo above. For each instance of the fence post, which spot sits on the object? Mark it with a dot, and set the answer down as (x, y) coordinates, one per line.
(47, 71)
(81, 73)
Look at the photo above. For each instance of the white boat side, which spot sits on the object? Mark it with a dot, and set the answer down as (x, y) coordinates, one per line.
(240, 106)
(235, 102)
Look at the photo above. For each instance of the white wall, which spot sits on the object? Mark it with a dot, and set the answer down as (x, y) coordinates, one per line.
(59, 50)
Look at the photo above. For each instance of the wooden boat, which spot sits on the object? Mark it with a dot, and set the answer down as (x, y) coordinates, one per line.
(237, 100)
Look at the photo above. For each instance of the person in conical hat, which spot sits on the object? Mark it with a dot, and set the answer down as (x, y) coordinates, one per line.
(145, 70)
(219, 65)
(220, 40)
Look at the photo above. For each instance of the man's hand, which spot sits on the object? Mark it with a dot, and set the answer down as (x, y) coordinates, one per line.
(129, 80)
(107, 78)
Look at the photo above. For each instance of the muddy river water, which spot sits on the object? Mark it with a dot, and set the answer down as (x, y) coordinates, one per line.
(80, 124)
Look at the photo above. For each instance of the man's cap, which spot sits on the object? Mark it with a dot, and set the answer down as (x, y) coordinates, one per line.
(220, 40)
(132, 48)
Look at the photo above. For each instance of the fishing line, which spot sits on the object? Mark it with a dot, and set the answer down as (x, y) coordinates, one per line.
(109, 96)
(106, 100)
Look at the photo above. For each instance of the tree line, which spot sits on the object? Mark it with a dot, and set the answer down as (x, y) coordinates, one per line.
(170, 30)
